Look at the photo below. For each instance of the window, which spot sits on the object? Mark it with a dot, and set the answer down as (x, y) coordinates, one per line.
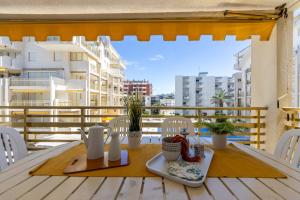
(31, 56)
(57, 56)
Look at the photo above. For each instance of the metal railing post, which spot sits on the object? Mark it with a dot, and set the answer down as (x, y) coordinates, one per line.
(199, 121)
(294, 119)
(258, 129)
(82, 119)
(25, 125)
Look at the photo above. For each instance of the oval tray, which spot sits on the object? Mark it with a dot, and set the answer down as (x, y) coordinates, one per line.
(158, 165)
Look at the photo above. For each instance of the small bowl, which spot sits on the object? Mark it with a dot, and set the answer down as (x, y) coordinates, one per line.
(171, 156)
(167, 143)
(171, 150)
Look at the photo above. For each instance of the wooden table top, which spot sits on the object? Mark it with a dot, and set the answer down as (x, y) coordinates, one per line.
(16, 183)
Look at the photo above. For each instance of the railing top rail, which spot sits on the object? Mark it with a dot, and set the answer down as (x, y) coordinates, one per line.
(146, 107)
(290, 109)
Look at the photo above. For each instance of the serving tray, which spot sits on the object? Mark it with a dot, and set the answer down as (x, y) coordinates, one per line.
(80, 163)
(158, 165)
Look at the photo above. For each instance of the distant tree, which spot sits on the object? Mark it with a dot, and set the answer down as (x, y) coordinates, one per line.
(221, 98)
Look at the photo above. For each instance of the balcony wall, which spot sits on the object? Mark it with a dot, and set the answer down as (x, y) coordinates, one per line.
(5, 61)
(79, 66)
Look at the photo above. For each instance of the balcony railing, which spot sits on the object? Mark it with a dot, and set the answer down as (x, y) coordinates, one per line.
(292, 118)
(29, 82)
(34, 123)
(30, 103)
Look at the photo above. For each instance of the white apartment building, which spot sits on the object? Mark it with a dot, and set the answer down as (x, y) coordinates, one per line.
(55, 73)
(242, 79)
(197, 91)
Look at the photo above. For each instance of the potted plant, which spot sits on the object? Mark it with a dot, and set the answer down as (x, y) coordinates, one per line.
(220, 129)
(134, 111)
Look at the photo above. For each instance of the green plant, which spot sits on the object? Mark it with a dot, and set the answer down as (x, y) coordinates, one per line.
(220, 128)
(134, 111)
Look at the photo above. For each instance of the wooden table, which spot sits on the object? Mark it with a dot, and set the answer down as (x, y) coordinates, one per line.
(16, 183)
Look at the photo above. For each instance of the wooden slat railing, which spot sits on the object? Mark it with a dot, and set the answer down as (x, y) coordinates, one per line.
(38, 122)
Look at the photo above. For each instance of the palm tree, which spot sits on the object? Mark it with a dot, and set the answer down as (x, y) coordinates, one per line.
(220, 98)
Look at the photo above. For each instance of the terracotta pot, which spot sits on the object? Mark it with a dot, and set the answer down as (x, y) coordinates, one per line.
(134, 139)
(219, 141)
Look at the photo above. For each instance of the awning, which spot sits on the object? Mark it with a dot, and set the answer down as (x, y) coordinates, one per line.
(141, 18)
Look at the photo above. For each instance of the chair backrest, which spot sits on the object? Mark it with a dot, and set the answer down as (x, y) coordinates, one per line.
(173, 125)
(288, 147)
(120, 125)
(12, 147)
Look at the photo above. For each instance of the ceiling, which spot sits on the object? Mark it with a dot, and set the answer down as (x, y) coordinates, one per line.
(131, 6)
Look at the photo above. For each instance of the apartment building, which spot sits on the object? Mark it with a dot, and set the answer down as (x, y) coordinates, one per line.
(56, 73)
(242, 78)
(197, 91)
(143, 87)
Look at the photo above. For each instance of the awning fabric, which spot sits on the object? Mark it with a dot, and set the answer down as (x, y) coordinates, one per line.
(143, 29)
(142, 18)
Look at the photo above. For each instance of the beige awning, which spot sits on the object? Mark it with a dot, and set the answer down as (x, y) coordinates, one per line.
(142, 18)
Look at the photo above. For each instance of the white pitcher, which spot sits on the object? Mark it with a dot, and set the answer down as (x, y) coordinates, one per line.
(95, 142)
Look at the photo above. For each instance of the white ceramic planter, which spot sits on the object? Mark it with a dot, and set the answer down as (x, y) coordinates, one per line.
(219, 141)
(134, 139)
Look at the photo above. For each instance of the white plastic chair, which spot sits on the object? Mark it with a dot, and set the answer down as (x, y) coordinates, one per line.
(288, 147)
(120, 125)
(12, 147)
(173, 125)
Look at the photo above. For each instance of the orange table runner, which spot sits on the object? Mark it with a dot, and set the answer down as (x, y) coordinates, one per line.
(230, 162)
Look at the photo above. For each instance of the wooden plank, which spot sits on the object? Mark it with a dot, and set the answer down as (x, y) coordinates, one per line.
(11, 182)
(131, 188)
(153, 189)
(44, 188)
(239, 190)
(22, 166)
(290, 182)
(199, 193)
(283, 190)
(260, 189)
(218, 189)
(66, 188)
(109, 189)
(87, 189)
(21, 189)
(174, 191)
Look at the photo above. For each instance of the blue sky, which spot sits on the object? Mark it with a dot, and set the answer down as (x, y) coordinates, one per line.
(159, 61)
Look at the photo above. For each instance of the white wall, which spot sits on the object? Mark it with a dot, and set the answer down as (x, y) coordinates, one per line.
(271, 68)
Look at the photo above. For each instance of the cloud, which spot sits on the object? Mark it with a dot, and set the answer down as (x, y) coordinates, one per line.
(156, 57)
(131, 63)
(135, 64)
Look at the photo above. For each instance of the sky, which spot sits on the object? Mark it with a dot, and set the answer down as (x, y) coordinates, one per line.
(160, 61)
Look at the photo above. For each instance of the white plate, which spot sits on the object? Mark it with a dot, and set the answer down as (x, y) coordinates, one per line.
(158, 165)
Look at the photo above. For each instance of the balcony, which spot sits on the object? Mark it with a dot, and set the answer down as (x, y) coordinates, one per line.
(79, 66)
(30, 103)
(5, 61)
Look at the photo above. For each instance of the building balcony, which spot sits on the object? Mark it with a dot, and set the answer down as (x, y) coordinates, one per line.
(79, 66)
(5, 61)
(29, 103)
